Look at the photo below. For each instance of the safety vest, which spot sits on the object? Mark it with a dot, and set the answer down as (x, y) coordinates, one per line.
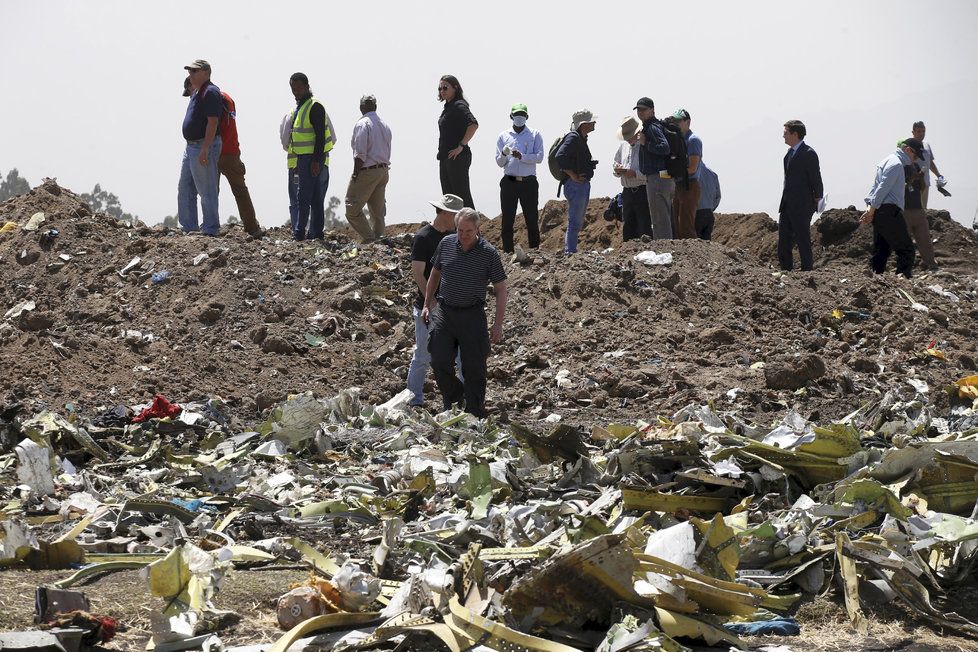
(303, 139)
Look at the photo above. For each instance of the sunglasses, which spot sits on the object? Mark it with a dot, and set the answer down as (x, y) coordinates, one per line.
(443, 88)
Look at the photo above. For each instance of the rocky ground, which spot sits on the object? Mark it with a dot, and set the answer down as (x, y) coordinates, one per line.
(592, 337)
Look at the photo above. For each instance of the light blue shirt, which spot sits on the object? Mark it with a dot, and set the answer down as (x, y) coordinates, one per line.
(890, 181)
(709, 188)
(694, 147)
(529, 143)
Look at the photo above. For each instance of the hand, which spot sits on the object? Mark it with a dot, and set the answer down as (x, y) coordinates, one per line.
(455, 152)
(641, 137)
(202, 159)
(496, 334)
(628, 174)
(425, 314)
(517, 155)
(866, 218)
(315, 168)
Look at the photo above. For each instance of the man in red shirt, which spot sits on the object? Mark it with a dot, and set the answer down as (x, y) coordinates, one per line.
(231, 165)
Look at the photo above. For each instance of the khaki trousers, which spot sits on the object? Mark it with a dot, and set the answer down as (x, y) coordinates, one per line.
(368, 189)
(233, 169)
(916, 219)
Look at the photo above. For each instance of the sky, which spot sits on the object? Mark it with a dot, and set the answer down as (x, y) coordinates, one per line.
(92, 90)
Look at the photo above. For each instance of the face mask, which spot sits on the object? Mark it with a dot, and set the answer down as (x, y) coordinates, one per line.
(519, 121)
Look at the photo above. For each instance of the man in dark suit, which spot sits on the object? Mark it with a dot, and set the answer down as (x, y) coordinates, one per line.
(800, 198)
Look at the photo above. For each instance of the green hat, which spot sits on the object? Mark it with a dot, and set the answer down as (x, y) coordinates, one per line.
(681, 114)
(517, 108)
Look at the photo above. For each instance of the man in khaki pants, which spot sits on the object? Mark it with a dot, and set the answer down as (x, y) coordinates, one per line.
(371, 160)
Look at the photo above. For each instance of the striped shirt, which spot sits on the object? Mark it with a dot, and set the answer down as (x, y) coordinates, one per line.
(465, 275)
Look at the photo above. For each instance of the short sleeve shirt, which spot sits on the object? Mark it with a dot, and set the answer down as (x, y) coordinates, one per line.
(465, 275)
(454, 120)
(423, 250)
(694, 147)
(205, 103)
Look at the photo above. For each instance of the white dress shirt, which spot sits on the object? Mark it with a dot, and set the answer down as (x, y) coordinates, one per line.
(371, 140)
(627, 157)
(529, 143)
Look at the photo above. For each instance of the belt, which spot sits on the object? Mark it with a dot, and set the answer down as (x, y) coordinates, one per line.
(526, 178)
(451, 307)
(374, 167)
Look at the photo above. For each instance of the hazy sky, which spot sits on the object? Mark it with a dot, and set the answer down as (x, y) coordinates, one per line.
(91, 90)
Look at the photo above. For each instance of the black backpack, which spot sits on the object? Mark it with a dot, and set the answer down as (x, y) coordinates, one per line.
(677, 162)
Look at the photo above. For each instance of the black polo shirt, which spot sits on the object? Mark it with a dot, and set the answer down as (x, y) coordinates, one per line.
(465, 275)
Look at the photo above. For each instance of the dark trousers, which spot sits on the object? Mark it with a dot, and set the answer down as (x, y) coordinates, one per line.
(454, 174)
(310, 196)
(460, 332)
(527, 194)
(795, 228)
(704, 223)
(635, 216)
(890, 234)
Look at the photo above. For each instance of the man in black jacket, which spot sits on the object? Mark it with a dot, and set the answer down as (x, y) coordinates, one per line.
(800, 198)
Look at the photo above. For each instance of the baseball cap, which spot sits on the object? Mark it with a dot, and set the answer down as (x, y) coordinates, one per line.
(450, 203)
(645, 102)
(915, 145)
(681, 114)
(518, 108)
(198, 64)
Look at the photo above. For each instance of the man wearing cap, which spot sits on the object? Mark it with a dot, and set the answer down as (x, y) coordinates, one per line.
(927, 164)
(574, 158)
(709, 201)
(914, 213)
(311, 140)
(518, 151)
(371, 144)
(199, 175)
(454, 308)
(885, 209)
(422, 251)
(230, 164)
(687, 197)
(800, 198)
(653, 154)
(636, 220)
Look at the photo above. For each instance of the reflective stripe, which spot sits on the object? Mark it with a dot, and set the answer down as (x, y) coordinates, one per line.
(303, 138)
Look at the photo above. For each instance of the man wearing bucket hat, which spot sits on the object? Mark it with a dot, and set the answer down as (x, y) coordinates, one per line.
(518, 151)
(422, 251)
(885, 203)
(574, 158)
(636, 219)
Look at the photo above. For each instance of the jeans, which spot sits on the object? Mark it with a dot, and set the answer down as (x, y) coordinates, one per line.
(421, 361)
(577, 195)
(202, 180)
(454, 176)
(527, 194)
(660, 192)
(310, 196)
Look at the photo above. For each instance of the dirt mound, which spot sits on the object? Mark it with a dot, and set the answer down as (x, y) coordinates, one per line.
(89, 319)
(836, 235)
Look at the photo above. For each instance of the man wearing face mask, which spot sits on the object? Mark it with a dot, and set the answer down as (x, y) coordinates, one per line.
(518, 151)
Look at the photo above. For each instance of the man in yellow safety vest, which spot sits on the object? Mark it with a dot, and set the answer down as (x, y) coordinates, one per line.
(311, 140)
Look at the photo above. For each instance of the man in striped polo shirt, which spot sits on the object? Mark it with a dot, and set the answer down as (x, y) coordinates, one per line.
(462, 268)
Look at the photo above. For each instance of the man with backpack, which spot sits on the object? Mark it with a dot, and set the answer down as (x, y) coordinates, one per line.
(688, 190)
(573, 159)
(654, 158)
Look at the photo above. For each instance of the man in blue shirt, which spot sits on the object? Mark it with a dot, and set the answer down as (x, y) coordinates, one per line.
(652, 162)
(709, 200)
(198, 173)
(688, 193)
(518, 151)
(885, 209)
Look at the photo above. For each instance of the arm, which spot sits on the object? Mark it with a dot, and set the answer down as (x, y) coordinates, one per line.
(209, 135)
(429, 293)
(694, 155)
(815, 177)
(535, 156)
(317, 116)
(694, 162)
(501, 159)
(656, 142)
(469, 132)
(359, 144)
(417, 271)
(566, 157)
(887, 180)
(496, 334)
(332, 132)
(933, 168)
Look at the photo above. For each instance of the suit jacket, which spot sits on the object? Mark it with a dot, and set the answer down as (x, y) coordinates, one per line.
(802, 182)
